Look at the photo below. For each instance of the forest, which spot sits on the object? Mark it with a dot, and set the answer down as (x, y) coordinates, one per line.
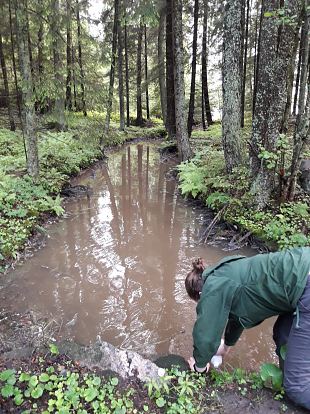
(227, 83)
(224, 86)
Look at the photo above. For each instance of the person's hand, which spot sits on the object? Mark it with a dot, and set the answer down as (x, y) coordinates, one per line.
(191, 363)
(223, 349)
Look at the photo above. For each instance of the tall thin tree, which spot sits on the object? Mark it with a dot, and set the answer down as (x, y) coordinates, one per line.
(147, 101)
(80, 58)
(112, 69)
(139, 119)
(6, 86)
(120, 74)
(161, 61)
(170, 122)
(27, 90)
(191, 109)
(245, 60)
(204, 64)
(127, 75)
(69, 57)
(55, 29)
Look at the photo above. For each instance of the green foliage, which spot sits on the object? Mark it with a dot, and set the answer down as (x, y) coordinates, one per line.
(65, 393)
(61, 154)
(217, 200)
(272, 158)
(272, 376)
(179, 392)
(53, 349)
(204, 176)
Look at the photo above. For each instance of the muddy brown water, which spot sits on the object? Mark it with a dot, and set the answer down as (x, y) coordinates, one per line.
(115, 265)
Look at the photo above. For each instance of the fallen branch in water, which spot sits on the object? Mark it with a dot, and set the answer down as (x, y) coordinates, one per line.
(213, 223)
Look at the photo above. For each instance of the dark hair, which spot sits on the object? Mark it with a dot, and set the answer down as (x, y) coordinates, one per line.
(194, 281)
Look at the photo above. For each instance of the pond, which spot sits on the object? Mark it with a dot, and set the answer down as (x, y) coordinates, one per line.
(115, 265)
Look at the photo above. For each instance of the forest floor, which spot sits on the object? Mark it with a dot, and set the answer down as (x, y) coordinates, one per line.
(24, 213)
(48, 382)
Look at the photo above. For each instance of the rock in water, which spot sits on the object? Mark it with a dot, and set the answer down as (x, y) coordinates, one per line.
(106, 357)
(168, 361)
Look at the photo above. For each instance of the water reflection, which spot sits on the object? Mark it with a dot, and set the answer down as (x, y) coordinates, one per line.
(115, 266)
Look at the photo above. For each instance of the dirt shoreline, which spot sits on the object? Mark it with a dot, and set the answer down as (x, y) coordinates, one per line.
(31, 330)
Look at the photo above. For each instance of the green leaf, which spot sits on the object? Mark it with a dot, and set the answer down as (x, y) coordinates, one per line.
(270, 372)
(114, 381)
(24, 377)
(268, 14)
(33, 381)
(5, 375)
(27, 393)
(44, 377)
(7, 391)
(96, 381)
(160, 402)
(53, 349)
(283, 351)
(90, 394)
(37, 392)
(18, 399)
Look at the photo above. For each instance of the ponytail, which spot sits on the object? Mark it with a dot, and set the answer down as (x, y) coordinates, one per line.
(194, 281)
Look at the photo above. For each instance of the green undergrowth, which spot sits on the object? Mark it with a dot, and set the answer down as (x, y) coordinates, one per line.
(52, 383)
(204, 177)
(23, 202)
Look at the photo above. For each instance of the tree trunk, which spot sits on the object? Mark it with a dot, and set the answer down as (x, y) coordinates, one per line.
(171, 127)
(13, 58)
(40, 48)
(245, 62)
(29, 128)
(161, 63)
(41, 103)
(30, 51)
(203, 118)
(204, 65)
(69, 58)
(127, 79)
(297, 83)
(301, 136)
(146, 76)
(75, 104)
(112, 70)
(257, 52)
(59, 84)
(191, 109)
(139, 120)
(232, 84)
(120, 78)
(290, 81)
(276, 48)
(184, 148)
(82, 77)
(6, 86)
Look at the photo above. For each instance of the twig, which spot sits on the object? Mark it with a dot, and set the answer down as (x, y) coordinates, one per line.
(215, 220)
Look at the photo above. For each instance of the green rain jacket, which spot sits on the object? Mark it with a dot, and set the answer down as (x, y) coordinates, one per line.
(240, 292)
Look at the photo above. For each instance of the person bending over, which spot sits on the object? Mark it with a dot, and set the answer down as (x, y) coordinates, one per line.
(241, 292)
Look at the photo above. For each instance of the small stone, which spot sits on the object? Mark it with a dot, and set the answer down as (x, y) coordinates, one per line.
(161, 372)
